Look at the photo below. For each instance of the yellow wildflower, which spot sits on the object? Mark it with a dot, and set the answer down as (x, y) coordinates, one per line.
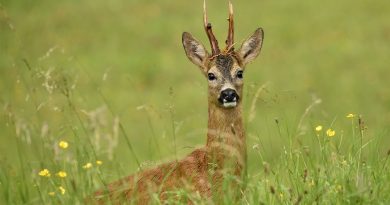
(98, 162)
(52, 193)
(62, 190)
(63, 144)
(330, 132)
(61, 174)
(350, 115)
(44, 173)
(87, 166)
(318, 128)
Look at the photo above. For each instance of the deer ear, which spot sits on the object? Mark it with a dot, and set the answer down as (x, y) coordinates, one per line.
(195, 51)
(250, 49)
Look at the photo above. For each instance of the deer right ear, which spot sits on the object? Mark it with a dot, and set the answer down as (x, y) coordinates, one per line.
(251, 47)
(195, 51)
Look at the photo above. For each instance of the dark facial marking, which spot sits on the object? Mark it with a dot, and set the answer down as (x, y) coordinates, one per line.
(224, 64)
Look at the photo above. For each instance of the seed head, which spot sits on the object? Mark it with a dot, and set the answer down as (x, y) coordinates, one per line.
(272, 189)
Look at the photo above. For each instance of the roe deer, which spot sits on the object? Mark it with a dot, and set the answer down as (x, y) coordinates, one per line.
(203, 172)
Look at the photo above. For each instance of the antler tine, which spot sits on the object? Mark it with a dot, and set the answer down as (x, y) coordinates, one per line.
(230, 38)
(207, 26)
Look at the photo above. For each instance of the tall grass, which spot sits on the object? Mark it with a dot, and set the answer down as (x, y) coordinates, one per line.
(315, 165)
(121, 93)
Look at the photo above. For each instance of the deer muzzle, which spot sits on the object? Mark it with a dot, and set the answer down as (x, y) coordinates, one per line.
(228, 98)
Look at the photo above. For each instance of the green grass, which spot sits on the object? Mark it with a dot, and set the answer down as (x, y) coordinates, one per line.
(111, 78)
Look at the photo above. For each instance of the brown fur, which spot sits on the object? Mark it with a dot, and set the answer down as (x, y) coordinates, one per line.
(189, 173)
(201, 172)
(205, 171)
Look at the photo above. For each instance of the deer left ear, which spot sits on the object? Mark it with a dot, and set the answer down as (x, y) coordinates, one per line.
(195, 51)
(251, 47)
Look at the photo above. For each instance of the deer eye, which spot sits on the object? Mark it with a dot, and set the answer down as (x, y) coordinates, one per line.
(211, 76)
(240, 74)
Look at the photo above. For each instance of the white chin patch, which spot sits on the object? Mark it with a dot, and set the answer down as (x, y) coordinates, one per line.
(229, 104)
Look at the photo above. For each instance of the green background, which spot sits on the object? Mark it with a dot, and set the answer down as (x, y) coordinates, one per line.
(123, 60)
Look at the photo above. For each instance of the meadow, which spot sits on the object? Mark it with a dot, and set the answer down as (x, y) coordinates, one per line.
(91, 91)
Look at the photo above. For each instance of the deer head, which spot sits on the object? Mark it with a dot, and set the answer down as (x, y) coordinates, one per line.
(223, 69)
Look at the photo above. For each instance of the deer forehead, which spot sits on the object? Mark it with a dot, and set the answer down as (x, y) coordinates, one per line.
(225, 66)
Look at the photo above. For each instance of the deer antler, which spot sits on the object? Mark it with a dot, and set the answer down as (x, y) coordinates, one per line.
(207, 26)
(230, 38)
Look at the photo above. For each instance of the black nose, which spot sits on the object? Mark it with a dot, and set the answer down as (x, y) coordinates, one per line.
(228, 95)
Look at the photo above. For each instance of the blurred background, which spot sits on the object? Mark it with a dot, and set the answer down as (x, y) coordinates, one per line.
(113, 75)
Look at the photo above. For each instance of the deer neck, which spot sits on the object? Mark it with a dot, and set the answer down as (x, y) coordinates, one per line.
(226, 145)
